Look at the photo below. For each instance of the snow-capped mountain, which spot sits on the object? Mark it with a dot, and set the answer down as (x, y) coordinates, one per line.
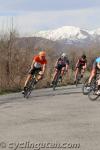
(69, 34)
(95, 32)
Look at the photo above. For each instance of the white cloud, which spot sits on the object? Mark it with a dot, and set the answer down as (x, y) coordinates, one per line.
(29, 5)
(11, 5)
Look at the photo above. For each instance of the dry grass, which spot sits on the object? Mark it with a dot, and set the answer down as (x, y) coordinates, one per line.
(15, 63)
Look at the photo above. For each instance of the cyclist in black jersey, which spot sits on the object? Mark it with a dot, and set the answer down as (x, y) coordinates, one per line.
(62, 64)
(81, 64)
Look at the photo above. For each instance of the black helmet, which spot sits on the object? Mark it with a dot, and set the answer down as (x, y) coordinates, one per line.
(84, 56)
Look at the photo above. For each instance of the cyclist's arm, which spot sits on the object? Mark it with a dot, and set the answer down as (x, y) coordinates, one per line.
(32, 65)
(92, 74)
(56, 63)
(85, 66)
(43, 68)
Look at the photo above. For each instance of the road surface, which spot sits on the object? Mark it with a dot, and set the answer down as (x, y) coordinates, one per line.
(61, 119)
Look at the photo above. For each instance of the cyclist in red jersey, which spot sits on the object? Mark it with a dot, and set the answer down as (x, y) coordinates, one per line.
(38, 64)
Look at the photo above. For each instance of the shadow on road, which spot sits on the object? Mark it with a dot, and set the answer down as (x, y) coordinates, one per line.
(59, 91)
(19, 96)
(68, 88)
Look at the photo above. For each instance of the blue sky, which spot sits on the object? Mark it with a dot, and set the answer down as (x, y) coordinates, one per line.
(34, 15)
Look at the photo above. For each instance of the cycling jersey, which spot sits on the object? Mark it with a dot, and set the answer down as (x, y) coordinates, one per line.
(81, 62)
(62, 62)
(97, 60)
(38, 62)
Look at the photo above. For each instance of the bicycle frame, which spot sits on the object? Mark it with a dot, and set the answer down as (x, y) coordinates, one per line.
(30, 85)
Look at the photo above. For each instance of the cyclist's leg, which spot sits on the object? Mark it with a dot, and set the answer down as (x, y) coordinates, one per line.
(76, 73)
(98, 82)
(26, 82)
(55, 74)
(31, 72)
(83, 68)
(28, 79)
(62, 71)
(92, 75)
(39, 75)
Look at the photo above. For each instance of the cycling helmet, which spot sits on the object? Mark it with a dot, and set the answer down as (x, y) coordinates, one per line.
(42, 53)
(84, 56)
(63, 55)
(98, 60)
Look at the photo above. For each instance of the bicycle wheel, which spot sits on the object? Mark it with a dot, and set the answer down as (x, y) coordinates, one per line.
(85, 89)
(29, 88)
(92, 95)
(93, 91)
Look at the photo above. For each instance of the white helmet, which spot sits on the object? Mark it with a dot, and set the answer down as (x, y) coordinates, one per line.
(63, 55)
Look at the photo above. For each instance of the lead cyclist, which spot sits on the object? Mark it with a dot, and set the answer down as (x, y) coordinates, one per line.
(95, 69)
(38, 64)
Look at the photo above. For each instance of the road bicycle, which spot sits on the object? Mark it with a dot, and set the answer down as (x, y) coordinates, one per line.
(31, 84)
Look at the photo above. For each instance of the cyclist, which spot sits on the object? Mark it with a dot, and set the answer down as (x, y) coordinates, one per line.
(81, 64)
(62, 64)
(38, 65)
(95, 69)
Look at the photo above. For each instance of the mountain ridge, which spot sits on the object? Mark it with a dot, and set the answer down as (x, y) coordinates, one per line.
(69, 33)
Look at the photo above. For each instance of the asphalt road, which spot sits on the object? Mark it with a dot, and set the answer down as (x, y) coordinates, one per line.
(61, 119)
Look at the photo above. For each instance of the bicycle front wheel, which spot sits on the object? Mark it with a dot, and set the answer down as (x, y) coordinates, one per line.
(93, 94)
(29, 88)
